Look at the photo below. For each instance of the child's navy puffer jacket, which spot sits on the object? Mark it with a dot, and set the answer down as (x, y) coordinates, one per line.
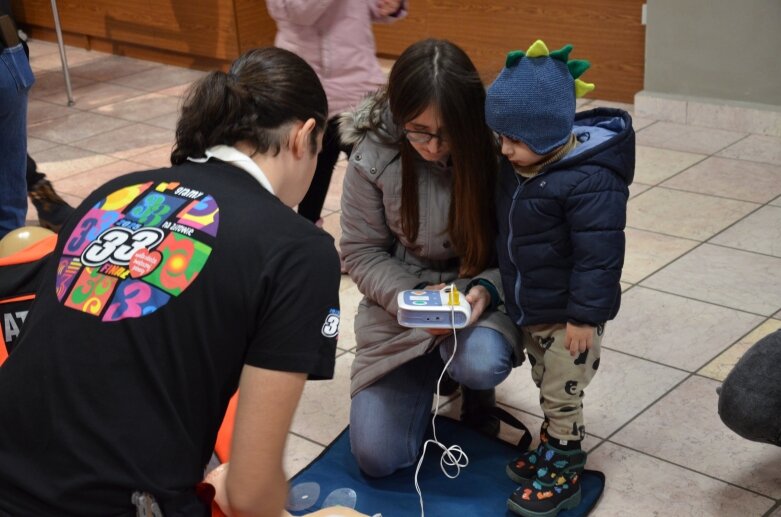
(561, 233)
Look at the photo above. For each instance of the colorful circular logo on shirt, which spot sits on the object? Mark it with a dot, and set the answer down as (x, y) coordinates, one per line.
(136, 249)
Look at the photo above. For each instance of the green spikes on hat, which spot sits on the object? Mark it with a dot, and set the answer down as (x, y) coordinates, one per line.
(576, 67)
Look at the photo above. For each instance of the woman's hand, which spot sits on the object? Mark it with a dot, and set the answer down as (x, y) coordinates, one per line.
(479, 298)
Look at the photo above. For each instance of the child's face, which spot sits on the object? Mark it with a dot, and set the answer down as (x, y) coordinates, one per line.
(519, 153)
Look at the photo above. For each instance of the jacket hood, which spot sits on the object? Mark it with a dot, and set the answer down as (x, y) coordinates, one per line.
(605, 137)
(372, 115)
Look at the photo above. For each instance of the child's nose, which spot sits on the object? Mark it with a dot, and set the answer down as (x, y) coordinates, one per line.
(507, 149)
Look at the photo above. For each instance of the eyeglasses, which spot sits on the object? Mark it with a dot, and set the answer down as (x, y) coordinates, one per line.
(423, 137)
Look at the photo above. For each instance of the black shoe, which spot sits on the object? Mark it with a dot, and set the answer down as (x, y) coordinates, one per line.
(448, 386)
(477, 410)
(53, 211)
(555, 486)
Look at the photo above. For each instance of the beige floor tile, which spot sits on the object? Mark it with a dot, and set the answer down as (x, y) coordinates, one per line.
(625, 286)
(684, 428)
(298, 454)
(684, 214)
(177, 91)
(167, 121)
(776, 201)
(639, 123)
(94, 95)
(733, 278)
(348, 302)
(158, 157)
(141, 108)
(760, 232)
(756, 148)
(654, 165)
(597, 103)
(111, 67)
(84, 183)
(777, 513)
(324, 410)
(635, 189)
(673, 330)
(647, 252)
(606, 408)
(159, 78)
(40, 48)
(75, 126)
(735, 179)
(720, 367)
(129, 141)
(74, 56)
(63, 161)
(38, 111)
(332, 225)
(50, 82)
(679, 137)
(36, 145)
(639, 485)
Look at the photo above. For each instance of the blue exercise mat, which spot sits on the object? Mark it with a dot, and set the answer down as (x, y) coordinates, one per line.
(481, 489)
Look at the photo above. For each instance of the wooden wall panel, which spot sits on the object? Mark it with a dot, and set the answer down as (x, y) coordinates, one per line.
(606, 32)
(199, 27)
(255, 27)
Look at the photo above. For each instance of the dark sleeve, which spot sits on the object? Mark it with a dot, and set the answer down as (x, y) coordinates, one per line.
(596, 213)
(297, 323)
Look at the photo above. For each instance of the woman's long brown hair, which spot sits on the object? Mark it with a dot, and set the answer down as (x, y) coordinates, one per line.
(438, 73)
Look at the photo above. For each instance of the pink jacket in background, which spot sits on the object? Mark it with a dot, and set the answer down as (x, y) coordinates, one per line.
(335, 37)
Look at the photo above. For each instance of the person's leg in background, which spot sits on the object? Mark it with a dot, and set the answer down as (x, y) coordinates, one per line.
(312, 204)
(16, 78)
(52, 210)
(388, 419)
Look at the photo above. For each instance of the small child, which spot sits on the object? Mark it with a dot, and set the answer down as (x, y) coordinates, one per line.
(561, 207)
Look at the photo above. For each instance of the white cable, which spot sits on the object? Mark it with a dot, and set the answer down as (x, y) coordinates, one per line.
(449, 457)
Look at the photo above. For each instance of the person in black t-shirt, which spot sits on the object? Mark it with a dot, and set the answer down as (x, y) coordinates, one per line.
(166, 291)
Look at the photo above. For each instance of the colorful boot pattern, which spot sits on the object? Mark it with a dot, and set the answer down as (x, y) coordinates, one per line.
(525, 467)
(554, 487)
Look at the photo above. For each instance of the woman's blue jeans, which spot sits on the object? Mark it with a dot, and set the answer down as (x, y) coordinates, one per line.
(16, 78)
(388, 419)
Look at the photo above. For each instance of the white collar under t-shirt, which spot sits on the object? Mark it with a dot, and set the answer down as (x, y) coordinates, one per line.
(230, 154)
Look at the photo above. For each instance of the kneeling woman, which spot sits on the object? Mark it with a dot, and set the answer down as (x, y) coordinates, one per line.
(417, 213)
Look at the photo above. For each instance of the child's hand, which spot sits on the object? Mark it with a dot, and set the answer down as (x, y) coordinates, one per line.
(580, 337)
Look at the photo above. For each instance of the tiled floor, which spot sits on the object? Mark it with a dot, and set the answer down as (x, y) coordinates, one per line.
(702, 283)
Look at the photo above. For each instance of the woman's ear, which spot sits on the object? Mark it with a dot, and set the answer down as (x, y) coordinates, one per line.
(301, 137)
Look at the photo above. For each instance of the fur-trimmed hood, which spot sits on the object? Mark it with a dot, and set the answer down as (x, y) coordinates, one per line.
(372, 115)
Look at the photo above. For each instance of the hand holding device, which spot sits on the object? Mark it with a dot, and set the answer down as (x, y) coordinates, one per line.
(446, 308)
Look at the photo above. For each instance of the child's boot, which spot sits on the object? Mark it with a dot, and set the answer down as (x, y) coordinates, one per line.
(524, 467)
(555, 485)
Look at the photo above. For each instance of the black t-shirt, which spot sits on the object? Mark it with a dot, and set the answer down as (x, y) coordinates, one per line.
(162, 286)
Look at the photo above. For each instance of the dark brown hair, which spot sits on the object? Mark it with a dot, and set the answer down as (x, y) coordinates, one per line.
(438, 73)
(265, 89)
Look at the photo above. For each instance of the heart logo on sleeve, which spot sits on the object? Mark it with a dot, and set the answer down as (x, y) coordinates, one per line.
(144, 262)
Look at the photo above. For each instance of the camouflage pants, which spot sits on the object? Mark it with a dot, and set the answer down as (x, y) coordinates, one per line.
(561, 378)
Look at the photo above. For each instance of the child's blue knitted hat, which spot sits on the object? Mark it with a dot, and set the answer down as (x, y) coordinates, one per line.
(533, 98)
